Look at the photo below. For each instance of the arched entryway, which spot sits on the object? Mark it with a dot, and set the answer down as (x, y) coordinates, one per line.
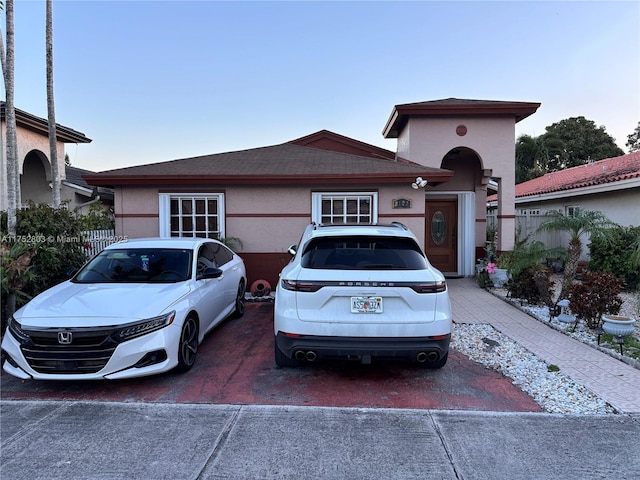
(453, 222)
(36, 178)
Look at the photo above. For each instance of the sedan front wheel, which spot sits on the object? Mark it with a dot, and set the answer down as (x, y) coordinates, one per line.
(239, 304)
(188, 346)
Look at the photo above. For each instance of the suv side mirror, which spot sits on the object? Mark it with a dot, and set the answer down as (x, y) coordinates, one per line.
(292, 250)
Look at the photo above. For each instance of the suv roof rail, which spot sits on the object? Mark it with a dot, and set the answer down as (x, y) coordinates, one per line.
(401, 225)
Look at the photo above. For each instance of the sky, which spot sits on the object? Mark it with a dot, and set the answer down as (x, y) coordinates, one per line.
(152, 81)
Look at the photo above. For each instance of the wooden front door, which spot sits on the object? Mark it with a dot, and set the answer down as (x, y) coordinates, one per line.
(441, 234)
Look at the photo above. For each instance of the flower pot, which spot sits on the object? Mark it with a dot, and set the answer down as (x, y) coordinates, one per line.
(499, 277)
(618, 326)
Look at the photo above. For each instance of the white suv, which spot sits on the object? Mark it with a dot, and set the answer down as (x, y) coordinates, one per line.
(361, 292)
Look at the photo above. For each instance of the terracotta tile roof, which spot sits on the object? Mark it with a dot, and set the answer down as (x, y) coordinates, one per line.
(596, 173)
(285, 163)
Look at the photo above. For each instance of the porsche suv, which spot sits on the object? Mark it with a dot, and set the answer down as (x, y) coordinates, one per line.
(361, 292)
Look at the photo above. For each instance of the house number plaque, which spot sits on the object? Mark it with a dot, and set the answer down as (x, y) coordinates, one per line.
(402, 203)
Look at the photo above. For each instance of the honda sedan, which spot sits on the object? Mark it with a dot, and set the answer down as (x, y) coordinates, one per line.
(138, 308)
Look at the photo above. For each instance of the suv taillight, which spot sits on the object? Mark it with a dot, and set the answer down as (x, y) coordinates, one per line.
(430, 287)
(301, 286)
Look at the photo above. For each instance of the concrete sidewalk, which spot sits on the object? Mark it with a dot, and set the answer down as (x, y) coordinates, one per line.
(612, 380)
(94, 440)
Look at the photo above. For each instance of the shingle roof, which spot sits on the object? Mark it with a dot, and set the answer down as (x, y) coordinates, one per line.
(596, 173)
(75, 175)
(279, 164)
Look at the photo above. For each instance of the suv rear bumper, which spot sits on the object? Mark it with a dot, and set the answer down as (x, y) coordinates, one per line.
(312, 347)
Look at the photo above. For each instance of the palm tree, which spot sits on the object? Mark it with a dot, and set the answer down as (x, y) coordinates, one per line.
(51, 111)
(581, 223)
(8, 71)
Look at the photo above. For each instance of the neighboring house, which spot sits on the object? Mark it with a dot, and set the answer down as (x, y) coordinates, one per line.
(610, 186)
(80, 194)
(35, 166)
(266, 196)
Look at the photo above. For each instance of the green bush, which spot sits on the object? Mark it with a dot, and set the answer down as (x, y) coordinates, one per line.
(614, 254)
(57, 235)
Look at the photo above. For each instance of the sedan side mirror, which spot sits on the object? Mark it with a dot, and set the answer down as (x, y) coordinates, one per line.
(210, 273)
(292, 250)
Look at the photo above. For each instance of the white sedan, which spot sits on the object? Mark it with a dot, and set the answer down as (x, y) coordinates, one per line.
(138, 308)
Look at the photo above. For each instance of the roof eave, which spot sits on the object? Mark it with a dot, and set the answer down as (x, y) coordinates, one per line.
(401, 113)
(111, 181)
(40, 125)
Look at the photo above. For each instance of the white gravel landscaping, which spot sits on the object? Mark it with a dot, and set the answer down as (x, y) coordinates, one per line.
(552, 390)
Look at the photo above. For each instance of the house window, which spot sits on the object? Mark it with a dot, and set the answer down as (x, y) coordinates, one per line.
(191, 215)
(572, 210)
(341, 208)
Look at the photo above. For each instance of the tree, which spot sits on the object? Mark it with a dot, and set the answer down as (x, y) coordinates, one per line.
(577, 141)
(51, 111)
(8, 72)
(633, 140)
(531, 158)
(577, 225)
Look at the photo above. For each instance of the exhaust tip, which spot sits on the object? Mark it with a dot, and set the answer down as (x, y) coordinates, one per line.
(427, 357)
(311, 356)
(299, 355)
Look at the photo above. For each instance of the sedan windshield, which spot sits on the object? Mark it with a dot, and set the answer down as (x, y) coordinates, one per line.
(137, 265)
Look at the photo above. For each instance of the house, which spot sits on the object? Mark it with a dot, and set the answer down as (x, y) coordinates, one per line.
(266, 196)
(610, 186)
(35, 166)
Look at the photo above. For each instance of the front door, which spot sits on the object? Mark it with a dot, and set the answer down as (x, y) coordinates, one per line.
(441, 234)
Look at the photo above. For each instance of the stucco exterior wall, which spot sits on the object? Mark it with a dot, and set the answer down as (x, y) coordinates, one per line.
(619, 206)
(27, 141)
(428, 140)
(267, 219)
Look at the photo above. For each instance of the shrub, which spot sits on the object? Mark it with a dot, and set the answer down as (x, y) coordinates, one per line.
(598, 293)
(614, 254)
(57, 233)
(531, 283)
(97, 218)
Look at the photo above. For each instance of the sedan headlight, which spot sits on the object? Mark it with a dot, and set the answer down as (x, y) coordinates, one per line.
(16, 330)
(149, 325)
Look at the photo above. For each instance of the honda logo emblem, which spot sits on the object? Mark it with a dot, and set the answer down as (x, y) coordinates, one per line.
(65, 338)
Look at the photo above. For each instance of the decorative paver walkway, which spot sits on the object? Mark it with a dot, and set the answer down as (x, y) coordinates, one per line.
(612, 380)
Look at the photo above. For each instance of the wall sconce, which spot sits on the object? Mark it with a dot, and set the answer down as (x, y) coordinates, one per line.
(419, 183)
(51, 185)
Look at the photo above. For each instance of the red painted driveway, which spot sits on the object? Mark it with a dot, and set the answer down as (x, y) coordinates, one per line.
(235, 366)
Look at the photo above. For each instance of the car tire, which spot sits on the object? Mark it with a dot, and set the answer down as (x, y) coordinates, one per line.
(188, 345)
(282, 360)
(438, 363)
(239, 309)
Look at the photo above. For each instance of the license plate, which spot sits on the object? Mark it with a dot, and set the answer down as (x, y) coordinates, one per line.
(366, 304)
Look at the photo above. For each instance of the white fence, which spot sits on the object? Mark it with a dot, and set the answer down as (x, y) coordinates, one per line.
(527, 226)
(96, 240)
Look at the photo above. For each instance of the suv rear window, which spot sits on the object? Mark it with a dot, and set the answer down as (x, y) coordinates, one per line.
(363, 253)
